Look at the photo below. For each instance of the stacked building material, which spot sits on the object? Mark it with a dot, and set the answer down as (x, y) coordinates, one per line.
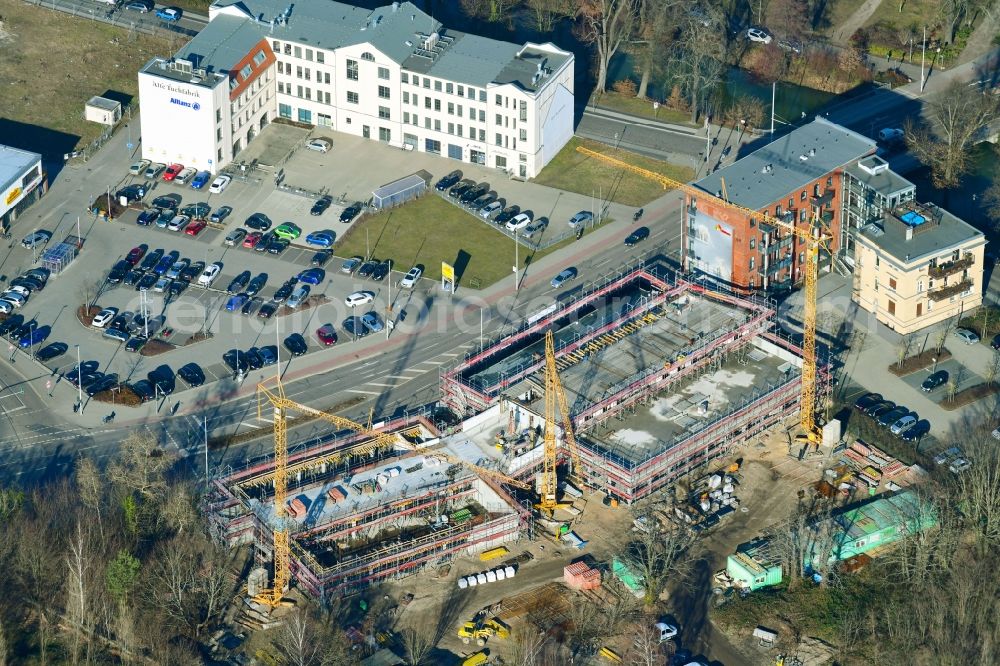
(336, 494)
(297, 508)
(580, 576)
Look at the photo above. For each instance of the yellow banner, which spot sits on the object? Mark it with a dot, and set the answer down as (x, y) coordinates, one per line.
(447, 272)
(14, 193)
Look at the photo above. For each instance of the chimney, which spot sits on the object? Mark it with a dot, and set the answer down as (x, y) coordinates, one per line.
(909, 232)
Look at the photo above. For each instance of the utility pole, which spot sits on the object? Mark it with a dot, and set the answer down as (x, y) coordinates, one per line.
(516, 248)
(79, 379)
(923, 51)
(774, 91)
(205, 432)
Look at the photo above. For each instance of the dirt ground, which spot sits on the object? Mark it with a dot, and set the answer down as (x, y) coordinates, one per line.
(51, 63)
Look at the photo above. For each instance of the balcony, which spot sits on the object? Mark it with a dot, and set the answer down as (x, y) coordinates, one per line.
(822, 200)
(950, 290)
(952, 267)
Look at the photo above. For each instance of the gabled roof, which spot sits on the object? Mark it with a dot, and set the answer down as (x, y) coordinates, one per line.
(221, 44)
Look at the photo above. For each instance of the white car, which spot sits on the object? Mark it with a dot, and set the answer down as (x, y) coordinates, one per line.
(583, 217)
(24, 291)
(208, 275)
(178, 223)
(219, 184)
(489, 209)
(966, 336)
(104, 317)
(185, 175)
(359, 298)
(319, 145)
(300, 294)
(411, 278)
(519, 222)
(759, 36)
(14, 298)
(138, 168)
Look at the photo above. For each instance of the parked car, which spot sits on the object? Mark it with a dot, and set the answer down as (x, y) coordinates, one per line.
(934, 380)
(288, 231)
(143, 390)
(321, 257)
(959, 466)
(151, 259)
(146, 282)
(350, 265)
(489, 209)
(563, 277)
(220, 214)
(104, 317)
(915, 432)
(251, 306)
(268, 309)
(758, 35)
(299, 295)
(353, 327)
(171, 14)
(381, 269)
(197, 211)
(185, 175)
(296, 344)
(322, 238)
(327, 334)
(448, 181)
(162, 285)
(167, 201)
(136, 254)
(163, 379)
(178, 223)
(192, 374)
(507, 214)
(118, 271)
(147, 217)
(138, 168)
(236, 302)
(154, 170)
(880, 408)
(235, 237)
(581, 218)
(164, 218)
(172, 171)
(195, 227)
(534, 228)
(312, 276)
(141, 6)
(351, 212)
(256, 284)
(966, 336)
(319, 144)
(264, 241)
(867, 400)
(903, 422)
(283, 292)
(177, 267)
(461, 188)
(995, 342)
(51, 351)
(252, 239)
(220, 184)
(321, 205)
(637, 236)
(473, 193)
(482, 202)
(131, 193)
(519, 221)
(192, 271)
(258, 221)
(366, 269)
(238, 283)
(208, 276)
(359, 298)
(105, 383)
(117, 334)
(200, 180)
(36, 238)
(885, 419)
(371, 321)
(411, 277)
(268, 355)
(277, 246)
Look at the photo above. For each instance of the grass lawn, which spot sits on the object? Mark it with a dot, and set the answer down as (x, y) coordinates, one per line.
(916, 13)
(841, 10)
(428, 231)
(640, 107)
(51, 63)
(575, 172)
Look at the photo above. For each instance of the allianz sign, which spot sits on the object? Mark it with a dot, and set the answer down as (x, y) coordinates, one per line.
(190, 105)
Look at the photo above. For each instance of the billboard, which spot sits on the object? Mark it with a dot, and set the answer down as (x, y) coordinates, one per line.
(447, 277)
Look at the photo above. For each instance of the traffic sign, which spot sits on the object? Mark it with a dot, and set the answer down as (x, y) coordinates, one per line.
(130, 145)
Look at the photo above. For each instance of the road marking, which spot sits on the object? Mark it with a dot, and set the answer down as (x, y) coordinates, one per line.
(403, 376)
(380, 384)
(365, 392)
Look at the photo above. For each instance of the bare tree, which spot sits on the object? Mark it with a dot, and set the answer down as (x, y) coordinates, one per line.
(991, 204)
(587, 626)
(789, 18)
(141, 467)
(179, 509)
(417, 644)
(656, 24)
(88, 291)
(992, 369)
(547, 12)
(525, 645)
(3, 646)
(90, 487)
(608, 25)
(980, 494)
(698, 62)
(657, 554)
(955, 118)
(79, 593)
(646, 649)
(491, 10)
(190, 583)
(297, 641)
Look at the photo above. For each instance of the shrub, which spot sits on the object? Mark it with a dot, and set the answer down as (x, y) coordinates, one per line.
(625, 87)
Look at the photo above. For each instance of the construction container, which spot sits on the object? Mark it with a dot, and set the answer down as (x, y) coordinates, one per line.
(481, 579)
(382, 479)
(462, 583)
(493, 553)
(472, 581)
(336, 494)
(501, 574)
(572, 491)
(491, 577)
(509, 571)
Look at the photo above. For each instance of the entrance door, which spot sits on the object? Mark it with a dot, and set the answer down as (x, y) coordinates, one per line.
(366, 132)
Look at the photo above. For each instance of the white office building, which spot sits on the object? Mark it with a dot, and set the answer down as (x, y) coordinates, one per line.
(22, 182)
(393, 75)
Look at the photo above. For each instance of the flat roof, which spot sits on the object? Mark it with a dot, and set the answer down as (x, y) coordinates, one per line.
(672, 414)
(886, 181)
(883, 513)
(14, 162)
(791, 164)
(940, 231)
(103, 103)
(399, 31)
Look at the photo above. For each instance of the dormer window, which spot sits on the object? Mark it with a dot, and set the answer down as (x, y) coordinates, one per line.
(367, 56)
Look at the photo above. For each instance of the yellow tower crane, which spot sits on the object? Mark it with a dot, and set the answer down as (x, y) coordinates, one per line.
(814, 238)
(554, 393)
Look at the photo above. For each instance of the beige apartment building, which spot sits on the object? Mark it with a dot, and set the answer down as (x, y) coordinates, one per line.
(917, 266)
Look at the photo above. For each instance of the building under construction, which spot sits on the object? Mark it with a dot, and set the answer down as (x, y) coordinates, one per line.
(358, 515)
(661, 376)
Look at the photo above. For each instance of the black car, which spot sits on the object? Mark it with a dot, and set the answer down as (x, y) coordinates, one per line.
(296, 344)
(40, 273)
(146, 282)
(448, 181)
(934, 380)
(192, 375)
(916, 431)
(238, 283)
(277, 246)
(24, 329)
(264, 241)
(321, 205)
(167, 202)
(163, 380)
(192, 271)
(28, 282)
(995, 342)
(507, 214)
(151, 259)
(268, 355)
(880, 408)
(84, 369)
(284, 291)
(321, 257)
(461, 188)
(221, 214)
(103, 384)
(90, 378)
(474, 193)
(867, 400)
(267, 310)
(137, 325)
(381, 270)
(144, 390)
(11, 323)
(197, 211)
(236, 360)
(351, 212)
(132, 277)
(256, 284)
(886, 419)
(135, 343)
(147, 217)
(177, 286)
(482, 202)
(637, 236)
(118, 271)
(354, 327)
(132, 193)
(258, 221)
(252, 305)
(253, 358)
(51, 351)
(367, 268)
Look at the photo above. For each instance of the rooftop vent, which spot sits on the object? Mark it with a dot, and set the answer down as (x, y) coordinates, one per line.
(873, 165)
(812, 152)
(803, 157)
(431, 40)
(181, 65)
(395, 7)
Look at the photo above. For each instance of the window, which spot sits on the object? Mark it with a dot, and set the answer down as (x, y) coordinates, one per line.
(281, 87)
(352, 70)
(276, 46)
(218, 134)
(288, 49)
(432, 146)
(404, 77)
(427, 122)
(753, 242)
(246, 72)
(920, 286)
(309, 54)
(791, 204)
(384, 134)
(383, 73)
(499, 119)
(524, 135)
(298, 51)
(920, 309)
(383, 112)
(309, 93)
(751, 263)
(319, 57)
(482, 95)
(461, 91)
(498, 100)
(305, 116)
(218, 115)
(501, 161)
(406, 117)
(281, 67)
(802, 196)
(406, 97)
(298, 72)
(482, 115)
(326, 77)
(416, 80)
(427, 83)
(892, 307)
(459, 112)
(451, 128)
(459, 128)
(298, 91)
(449, 88)
(427, 102)
(383, 92)
(451, 109)
(437, 86)
(308, 74)
(326, 98)
(482, 135)
(352, 97)
(368, 56)
(499, 139)
(437, 125)
(829, 181)
(892, 283)
(437, 105)
(258, 58)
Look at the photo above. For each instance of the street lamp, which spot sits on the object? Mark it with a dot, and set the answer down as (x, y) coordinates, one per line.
(79, 378)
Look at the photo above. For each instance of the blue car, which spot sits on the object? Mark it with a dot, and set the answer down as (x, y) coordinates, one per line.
(312, 276)
(166, 262)
(236, 302)
(169, 13)
(35, 337)
(321, 238)
(200, 180)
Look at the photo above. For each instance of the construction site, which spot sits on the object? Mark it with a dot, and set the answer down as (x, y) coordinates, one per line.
(661, 376)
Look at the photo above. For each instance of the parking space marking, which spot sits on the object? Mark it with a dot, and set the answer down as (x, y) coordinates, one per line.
(381, 384)
(365, 392)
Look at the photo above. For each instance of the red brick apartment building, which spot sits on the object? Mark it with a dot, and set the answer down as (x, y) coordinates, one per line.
(788, 178)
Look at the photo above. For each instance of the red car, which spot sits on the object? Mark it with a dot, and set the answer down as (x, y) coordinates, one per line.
(172, 171)
(195, 228)
(326, 334)
(136, 253)
(252, 239)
